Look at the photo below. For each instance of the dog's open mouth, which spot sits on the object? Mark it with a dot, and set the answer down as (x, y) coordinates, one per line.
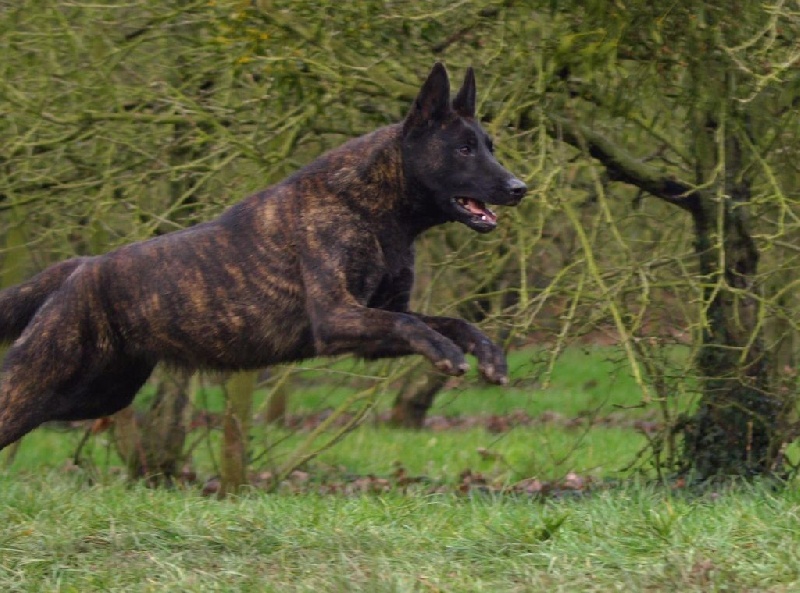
(475, 213)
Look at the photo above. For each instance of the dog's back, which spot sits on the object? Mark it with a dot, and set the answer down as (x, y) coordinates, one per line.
(229, 294)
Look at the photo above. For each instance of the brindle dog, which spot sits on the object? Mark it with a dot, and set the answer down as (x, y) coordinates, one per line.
(319, 264)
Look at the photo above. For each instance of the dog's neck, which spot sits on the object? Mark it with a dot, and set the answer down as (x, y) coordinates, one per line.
(391, 191)
(370, 175)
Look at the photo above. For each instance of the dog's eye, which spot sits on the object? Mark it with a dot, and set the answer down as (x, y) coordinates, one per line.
(465, 150)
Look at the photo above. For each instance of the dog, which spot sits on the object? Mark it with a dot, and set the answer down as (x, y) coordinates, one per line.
(319, 264)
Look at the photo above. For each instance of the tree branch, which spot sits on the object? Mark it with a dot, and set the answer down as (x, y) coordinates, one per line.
(622, 166)
(486, 12)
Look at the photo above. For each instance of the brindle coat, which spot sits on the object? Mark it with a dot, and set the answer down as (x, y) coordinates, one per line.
(319, 264)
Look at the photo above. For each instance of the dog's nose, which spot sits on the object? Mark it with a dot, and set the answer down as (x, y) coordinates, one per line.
(516, 188)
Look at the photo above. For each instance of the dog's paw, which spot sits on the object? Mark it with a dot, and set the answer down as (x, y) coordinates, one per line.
(450, 359)
(492, 364)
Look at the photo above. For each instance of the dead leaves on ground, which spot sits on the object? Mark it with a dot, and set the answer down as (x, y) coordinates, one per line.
(336, 481)
(494, 423)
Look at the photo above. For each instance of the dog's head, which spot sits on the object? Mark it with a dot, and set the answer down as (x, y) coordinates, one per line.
(449, 159)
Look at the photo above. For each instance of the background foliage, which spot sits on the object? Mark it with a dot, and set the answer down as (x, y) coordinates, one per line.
(124, 120)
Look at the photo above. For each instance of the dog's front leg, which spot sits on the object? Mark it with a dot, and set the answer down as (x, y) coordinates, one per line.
(375, 333)
(492, 363)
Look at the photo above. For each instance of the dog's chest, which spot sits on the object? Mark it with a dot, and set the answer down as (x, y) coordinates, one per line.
(391, 283)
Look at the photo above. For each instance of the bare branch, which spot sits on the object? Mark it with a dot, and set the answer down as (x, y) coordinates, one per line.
(622, 166)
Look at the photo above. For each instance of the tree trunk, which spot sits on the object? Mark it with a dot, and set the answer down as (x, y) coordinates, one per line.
(236, 430)
(278, 402)
(152, 443)
(733, 432)
(415, 399)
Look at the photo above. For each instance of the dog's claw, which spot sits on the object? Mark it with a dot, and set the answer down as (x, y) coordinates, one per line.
(448, 368)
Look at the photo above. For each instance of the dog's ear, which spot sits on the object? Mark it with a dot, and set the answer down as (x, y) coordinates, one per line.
(433, 101)
(464, 103)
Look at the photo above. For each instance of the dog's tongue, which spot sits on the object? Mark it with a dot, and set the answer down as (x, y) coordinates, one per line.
(478, 208)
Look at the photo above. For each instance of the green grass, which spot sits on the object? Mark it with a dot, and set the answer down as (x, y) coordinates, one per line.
(85, 529)
(545, 452)
(58, 533)
(582, 380)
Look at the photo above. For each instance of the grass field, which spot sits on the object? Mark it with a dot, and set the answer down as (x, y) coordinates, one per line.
(58, 533)
(85, 529)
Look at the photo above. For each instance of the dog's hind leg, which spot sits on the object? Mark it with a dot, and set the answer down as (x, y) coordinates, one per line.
(110, 390)
(30, 396)
(66, 365)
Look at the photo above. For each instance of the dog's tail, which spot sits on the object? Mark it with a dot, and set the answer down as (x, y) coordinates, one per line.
(18, 304)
